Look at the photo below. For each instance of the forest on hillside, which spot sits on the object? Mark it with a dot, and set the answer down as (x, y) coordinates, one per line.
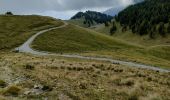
(149, 17)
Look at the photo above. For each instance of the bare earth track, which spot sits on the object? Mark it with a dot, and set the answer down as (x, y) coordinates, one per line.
(25, 48)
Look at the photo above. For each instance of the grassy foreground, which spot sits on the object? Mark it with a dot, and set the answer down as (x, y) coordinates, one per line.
(26, 77)
(14, 30)
(73, 39)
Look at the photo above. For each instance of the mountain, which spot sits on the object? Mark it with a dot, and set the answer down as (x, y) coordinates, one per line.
(90, 18)
(149, 17)
(115, 11)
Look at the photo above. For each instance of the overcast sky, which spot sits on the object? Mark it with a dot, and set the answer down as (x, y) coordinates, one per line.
(62, 9)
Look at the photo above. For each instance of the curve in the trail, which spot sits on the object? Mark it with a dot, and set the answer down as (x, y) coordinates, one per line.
(27, 49)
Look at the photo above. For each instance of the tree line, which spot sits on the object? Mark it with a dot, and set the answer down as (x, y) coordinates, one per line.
(148, 17)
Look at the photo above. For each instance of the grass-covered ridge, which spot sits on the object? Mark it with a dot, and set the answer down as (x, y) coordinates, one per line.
(15, 30)
(73, 39)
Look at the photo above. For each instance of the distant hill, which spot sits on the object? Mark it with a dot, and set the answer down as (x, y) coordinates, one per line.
(149, 17)
(90, 18)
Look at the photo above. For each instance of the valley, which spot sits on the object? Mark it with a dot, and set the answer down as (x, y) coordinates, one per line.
(92, 56)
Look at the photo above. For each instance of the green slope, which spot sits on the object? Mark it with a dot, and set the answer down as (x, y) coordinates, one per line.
(77, 40)
(130, 37)
(14, 30)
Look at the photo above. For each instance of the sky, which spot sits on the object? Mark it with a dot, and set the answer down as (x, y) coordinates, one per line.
(63, 9)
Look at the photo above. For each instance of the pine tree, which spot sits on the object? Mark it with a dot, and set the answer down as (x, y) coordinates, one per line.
(152, 12)
(113, 29)
(8, 13)
(168, 28)
(161, 29)
(106, 24)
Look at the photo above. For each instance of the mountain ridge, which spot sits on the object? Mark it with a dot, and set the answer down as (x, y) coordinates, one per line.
(90, 18)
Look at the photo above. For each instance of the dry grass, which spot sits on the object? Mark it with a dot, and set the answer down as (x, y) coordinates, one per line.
(81, 79)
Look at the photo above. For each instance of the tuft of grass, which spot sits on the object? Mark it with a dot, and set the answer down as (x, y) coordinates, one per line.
(12, 90)
(2, 84)
(29, 67)
(133, 97)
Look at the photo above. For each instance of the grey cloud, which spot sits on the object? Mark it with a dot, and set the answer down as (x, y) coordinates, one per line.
(57, 5)
(58, 8)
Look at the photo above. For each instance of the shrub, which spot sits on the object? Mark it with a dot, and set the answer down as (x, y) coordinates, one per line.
(12, 90)
(149, 79)
(82, 86)
(69, 68)
(30, 67)
(2, 84)
(62, 67)
(129, 83)
(79, 69)
(133, 97)
(8, 13)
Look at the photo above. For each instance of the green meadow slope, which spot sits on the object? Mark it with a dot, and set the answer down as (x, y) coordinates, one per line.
(74, 39)
(14, 30)
(130, 37)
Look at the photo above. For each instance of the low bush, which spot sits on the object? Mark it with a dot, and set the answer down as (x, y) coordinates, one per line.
(29, 66)
(12, 90)
(2, 84)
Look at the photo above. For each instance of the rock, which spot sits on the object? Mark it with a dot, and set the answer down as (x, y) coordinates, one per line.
(38, 86)
(27, 92)
(15, 51)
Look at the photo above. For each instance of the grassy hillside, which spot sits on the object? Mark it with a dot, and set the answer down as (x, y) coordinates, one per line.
(130, 37)
(73, 39)
(14, 30)
(38, 78)
(146, 23)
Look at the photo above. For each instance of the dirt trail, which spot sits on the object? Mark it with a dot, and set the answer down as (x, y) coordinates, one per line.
(27, 49)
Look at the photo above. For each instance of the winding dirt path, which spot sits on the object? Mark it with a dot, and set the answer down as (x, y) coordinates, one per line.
(27, 49)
